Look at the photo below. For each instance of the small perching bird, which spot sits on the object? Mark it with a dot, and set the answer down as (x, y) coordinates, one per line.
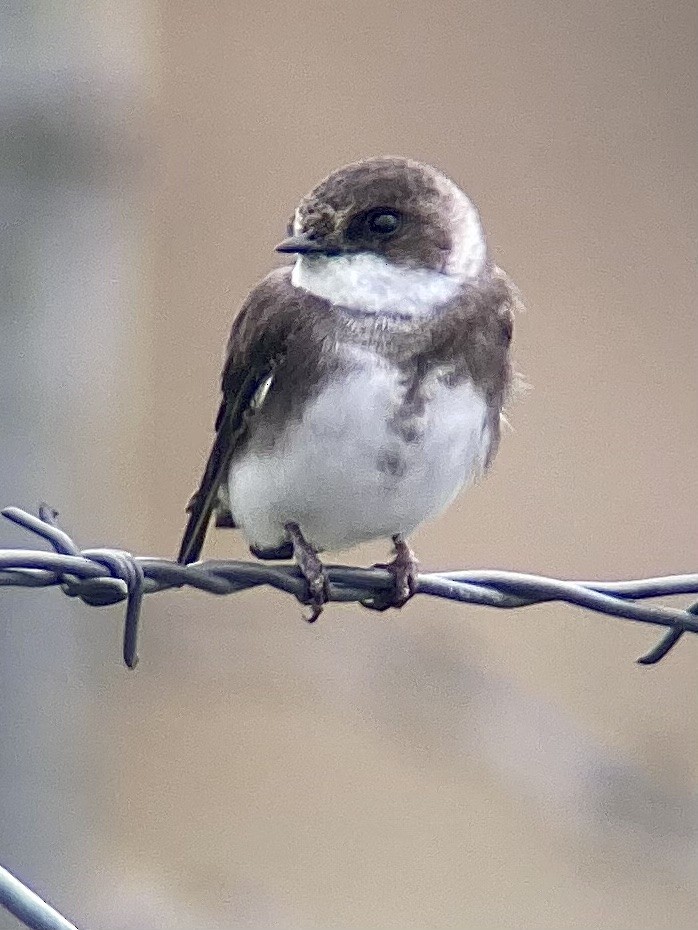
(363, 387)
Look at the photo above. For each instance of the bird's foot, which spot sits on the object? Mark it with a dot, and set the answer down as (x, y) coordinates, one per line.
(405, 569)
(312, 570)
(284, 551)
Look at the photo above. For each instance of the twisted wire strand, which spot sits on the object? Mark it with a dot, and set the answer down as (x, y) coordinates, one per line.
(100, 577)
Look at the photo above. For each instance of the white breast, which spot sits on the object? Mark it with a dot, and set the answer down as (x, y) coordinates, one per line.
(345, 476)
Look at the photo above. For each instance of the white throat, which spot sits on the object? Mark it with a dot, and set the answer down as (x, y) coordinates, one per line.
(370, 283)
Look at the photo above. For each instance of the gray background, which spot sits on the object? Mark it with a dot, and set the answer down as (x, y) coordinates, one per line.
(442, 767)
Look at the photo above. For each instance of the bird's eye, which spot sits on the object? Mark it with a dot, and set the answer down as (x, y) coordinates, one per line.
(383, 222)
(380, 223)
(289, 228)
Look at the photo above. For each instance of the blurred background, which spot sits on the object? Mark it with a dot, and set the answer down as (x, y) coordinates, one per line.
(444, 766)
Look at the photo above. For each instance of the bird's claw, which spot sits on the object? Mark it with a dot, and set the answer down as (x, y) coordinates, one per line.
(313, 571)
(318, 593)
(405, 571)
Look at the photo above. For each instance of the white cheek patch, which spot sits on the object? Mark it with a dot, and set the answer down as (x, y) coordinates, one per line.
(372, 284)
(470, 246)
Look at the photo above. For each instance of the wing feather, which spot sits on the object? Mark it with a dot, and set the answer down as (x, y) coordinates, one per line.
(256, 343)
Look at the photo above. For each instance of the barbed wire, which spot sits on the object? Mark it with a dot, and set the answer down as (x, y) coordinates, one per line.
(100, 577)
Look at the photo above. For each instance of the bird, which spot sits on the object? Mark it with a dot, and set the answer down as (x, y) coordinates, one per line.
(364, 385)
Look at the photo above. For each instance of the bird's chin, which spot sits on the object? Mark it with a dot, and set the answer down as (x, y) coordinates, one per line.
(371, 283)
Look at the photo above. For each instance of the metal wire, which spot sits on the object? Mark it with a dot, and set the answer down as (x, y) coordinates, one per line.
(100, 577)
(28, 907)
(106, 576)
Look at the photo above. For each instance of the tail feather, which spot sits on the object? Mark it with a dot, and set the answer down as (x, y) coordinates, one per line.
(231, 425)
(200, 509)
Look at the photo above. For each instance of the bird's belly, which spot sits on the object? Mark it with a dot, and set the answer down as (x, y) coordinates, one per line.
(358, 466)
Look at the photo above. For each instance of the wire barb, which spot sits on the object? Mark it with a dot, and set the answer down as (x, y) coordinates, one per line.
(100, 577)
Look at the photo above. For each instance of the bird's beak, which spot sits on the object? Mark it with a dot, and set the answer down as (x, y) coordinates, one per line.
(305, 243)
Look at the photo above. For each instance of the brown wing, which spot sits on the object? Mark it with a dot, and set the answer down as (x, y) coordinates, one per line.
(509, 302)
(256, 344)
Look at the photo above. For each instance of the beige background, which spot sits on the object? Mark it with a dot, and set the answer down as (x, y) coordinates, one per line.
(441, 767)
